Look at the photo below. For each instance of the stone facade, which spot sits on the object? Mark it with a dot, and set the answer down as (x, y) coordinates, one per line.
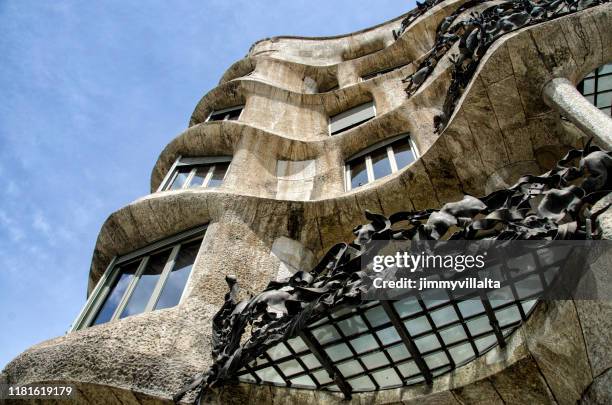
(283, 204)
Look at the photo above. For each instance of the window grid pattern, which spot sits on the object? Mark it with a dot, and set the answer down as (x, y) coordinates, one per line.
(227, 114)
(185, 176)
(597, 88)
(154, 280)
(388, 344)
(381, 72)
(379, 163)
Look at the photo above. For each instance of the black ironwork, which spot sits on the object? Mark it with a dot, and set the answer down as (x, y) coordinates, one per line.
(476, 34)
(306, 303)
(597, 88)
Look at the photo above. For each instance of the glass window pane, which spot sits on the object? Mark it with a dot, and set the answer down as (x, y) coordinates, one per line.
(479, 325)
(588, 86)
(604, 99)
(322, 376)
(278, 352)
(270, 375)
(297, 344)
(388, 335)
(403, 153)
(303, 381)
(116, 293)
(338, 352)
(508, 315)
(470, 307)
(364, 343)
(145, 285)
(453, 334)
(181, 176)
(350, 368)
(604, 83)
(418, 325)
(407, 307)
(218, 175)
(461, 353)
(486, 342)
(310, 361)
(387, 378)
(326, 334)
(290, 367)
(408, 369)
(398, 352)
(352, 326)
(177, 279)
(199, 176)
(427, 343)
(444, 316)
(359, 174)
(375, 360)
(436, 360)
(361, 384)
(607, 68)
(380, 163)
(377, 316)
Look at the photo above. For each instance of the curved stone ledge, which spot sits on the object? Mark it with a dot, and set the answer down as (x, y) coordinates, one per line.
(372, 43)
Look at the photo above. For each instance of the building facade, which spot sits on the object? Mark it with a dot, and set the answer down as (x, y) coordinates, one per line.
(278, 165)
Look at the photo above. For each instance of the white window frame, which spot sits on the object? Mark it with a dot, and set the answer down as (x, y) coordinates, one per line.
(104, 286)
(329, 123)
(195, 162)
(368, 159)
(226, 110)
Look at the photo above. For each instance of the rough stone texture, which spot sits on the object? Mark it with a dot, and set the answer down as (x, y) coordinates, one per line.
(600, 391)
(500, 128)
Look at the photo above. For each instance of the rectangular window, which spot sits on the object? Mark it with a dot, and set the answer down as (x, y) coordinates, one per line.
(196, 172)
(381, 72)
(150, 278)
(597, 88)
(379, 161)
(226, 114)
(351, 118)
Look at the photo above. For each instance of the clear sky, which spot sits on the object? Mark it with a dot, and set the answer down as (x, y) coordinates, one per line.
(91, 92)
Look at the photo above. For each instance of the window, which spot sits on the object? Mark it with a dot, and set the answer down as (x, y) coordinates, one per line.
(597, 88)
(196, 172)
(379, 161)
(381, 72)
(351, 118)
(145, 280)
(227, 114)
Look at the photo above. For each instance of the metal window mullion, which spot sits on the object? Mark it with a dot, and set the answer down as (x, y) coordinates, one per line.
(101, 298)
(162, 279)
(410, 345)
(189, 178)
(347, 177)
(209, 175)
(95, 299)
(391, 157)
(326, 362)
(355, 356)
(369, 168)
(171, 173)
(130, 289)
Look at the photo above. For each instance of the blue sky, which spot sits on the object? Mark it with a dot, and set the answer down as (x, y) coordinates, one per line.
(91, 92)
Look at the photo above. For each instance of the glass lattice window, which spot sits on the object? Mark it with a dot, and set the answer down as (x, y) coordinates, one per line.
(196, 172)
(351, 118)
(597, 88)
(226, 114)
(379, 161)
(151, 278)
